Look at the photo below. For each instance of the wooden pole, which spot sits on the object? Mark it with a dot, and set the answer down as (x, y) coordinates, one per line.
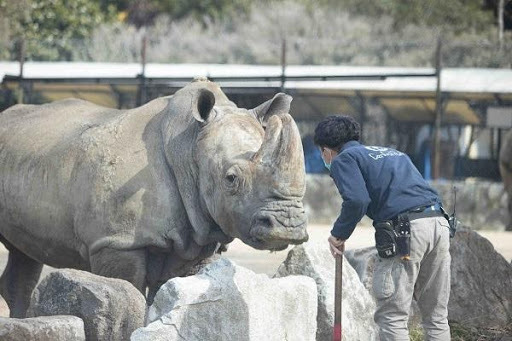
(337, 332)
(439, 112)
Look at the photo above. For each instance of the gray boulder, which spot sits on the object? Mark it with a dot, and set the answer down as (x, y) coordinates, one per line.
(110, 308)
(228, 302)
(315, 261)
(363, 261)
(480, 292)
(46, 328)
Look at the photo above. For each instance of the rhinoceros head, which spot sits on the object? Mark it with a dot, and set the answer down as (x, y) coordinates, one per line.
(251, 171)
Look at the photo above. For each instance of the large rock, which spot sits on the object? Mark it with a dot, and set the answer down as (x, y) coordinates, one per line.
(228, 302)
(315, 261)
(110, 308)
(363, 261)
(481, 278)
(46, 328)
(481, 292)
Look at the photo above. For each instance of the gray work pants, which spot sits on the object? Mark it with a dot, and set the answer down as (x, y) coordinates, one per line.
(426, 276)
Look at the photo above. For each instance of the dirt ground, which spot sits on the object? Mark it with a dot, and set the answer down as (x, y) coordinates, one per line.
(268, 262)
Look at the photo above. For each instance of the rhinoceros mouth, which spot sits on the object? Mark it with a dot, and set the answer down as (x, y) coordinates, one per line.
(271, 232)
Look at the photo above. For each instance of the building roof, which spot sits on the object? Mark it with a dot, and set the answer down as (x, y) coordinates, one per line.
(408, 94)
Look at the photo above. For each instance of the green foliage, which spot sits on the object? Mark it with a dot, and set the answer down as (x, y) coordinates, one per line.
(204, 9)
(416, 333)
(355, 32)
(314, 35)
(117, 5)
(457, 15)
(49, 26)
(461, 332)
(143, 12)
(369, 8)
(452, 15)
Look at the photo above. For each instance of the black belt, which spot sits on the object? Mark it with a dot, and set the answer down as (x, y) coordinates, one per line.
(427, 214)
(428, 211)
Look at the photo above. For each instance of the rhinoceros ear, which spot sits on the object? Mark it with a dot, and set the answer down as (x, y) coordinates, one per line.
(204, 104)
(280, 104)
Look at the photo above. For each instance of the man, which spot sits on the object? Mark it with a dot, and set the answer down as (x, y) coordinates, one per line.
(412, 236)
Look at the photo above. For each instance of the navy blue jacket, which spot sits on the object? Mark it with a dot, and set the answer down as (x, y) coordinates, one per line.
(377, 181)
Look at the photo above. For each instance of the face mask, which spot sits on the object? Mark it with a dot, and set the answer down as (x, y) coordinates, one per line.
(327, 165)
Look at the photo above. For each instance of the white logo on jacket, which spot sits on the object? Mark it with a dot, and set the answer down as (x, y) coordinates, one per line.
(382, 152)
(376, 149)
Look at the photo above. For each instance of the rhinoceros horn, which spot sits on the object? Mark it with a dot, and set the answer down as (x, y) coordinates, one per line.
(290, 156)
(268, 150)
(282, 150)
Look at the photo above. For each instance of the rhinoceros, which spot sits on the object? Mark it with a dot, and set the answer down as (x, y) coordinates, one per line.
(506, 172)
(145, 194)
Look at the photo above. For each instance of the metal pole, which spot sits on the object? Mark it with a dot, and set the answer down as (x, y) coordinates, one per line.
(362, 112)
(22, 66)
(283, 63)
(498, 147)
(141, 95)
(439, 112)
(501, 24)
(143, 53)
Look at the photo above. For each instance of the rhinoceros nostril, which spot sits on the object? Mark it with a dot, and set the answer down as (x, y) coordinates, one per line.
(264, 222)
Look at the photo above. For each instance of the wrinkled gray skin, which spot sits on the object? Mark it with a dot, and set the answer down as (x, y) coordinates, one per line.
(144, 194)
(506, 172)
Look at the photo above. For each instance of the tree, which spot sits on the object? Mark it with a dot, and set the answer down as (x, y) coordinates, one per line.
(143, 12)
(459, 15)
(49, 27)
(454, 15)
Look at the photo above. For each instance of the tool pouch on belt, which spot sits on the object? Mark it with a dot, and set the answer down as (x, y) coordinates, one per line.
(452, 222)
(403, 236)
(385, 239)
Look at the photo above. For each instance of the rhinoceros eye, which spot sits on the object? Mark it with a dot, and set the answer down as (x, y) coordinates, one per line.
(231, 178)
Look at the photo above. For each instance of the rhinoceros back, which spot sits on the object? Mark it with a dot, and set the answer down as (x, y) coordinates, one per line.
(41, 149)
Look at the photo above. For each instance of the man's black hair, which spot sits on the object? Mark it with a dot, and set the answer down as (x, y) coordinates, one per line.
(334, 131)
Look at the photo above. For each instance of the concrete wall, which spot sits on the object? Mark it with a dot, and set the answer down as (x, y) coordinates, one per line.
(482, 205)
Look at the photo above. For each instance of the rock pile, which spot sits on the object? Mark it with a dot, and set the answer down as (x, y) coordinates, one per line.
(224, 301)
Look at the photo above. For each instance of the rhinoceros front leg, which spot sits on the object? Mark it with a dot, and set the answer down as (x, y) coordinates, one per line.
(128, 265)
(18, 280)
